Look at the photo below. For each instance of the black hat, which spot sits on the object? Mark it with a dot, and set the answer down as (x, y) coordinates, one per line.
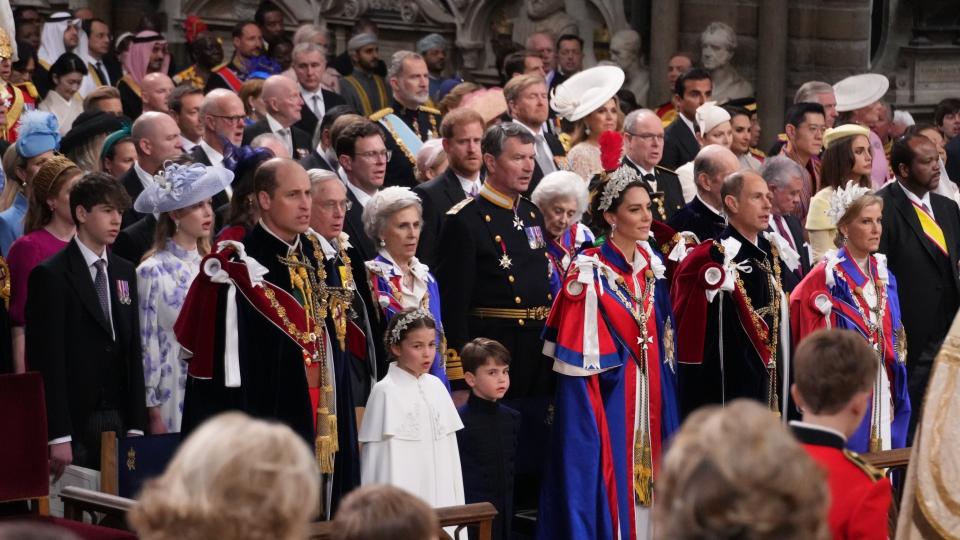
(87, 126)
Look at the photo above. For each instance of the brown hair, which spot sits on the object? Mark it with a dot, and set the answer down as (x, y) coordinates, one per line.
(384, 512)
(99, 94)
(452, 100)
(853, 211)
(580, 129)
(520, 83)
(459, 117)
(251, 88)
(47, 184)
(735, 472)
(479, 351)
(165, 230)
(832, 366)
(342, 123)
(836, 165)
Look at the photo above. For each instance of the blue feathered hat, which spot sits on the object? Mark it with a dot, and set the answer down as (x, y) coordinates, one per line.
(38, 133)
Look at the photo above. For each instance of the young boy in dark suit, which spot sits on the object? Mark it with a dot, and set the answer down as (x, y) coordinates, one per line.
(488, 440)
(83, 331)
(834, 372)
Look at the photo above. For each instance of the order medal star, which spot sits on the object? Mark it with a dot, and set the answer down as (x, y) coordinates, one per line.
(505, 262)
(517, 224)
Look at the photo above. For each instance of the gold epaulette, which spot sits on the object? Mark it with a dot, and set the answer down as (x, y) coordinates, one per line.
(454, 365)
(874, 473)
(429, 110)
(379, 115)
(665, 169)
(758, 152)
(459, 206)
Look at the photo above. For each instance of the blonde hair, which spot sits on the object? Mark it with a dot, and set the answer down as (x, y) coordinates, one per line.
(735, 472)
(857, 206)
(581, 130)
(234, 477)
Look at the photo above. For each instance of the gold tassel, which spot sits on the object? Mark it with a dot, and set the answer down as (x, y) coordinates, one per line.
(643, 477)
(332, 424)
(324, 454)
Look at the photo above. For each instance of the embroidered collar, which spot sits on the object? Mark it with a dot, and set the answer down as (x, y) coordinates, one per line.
(290, 247)
(643, 258)
(417, 268)
(497, 198)
(816, 435)
(189, 255)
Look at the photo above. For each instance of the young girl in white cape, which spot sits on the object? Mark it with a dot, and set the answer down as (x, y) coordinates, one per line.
(408, 435)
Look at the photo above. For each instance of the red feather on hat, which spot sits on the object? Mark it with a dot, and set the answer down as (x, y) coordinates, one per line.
(192, 26)
(611, 150)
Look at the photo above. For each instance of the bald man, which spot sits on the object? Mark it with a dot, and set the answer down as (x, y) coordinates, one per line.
(156, 137)
(155, 90)
(704, 215)
(281, 96)
(221, 115)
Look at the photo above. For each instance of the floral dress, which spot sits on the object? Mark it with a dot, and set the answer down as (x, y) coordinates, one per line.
(163, 280)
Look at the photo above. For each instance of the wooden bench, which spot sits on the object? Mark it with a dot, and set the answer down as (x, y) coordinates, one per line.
(892, 461)
(76, 501)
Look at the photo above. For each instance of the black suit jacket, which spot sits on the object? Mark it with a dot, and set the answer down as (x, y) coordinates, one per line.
(679, 145)
(438, 196)
(953, 160)
(134, 241)
(353, 226)
(668, 183)
(131, 182)
(131, 101)
(301, 140)
(70, 342)
(927, 280)
(315, 161)
(199, 156)
(113, 67)
(558, 151)
(697, 218)
(308, 120)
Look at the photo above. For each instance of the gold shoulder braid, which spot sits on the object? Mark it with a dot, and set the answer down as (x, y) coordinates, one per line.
(400, 145)
(874, 473)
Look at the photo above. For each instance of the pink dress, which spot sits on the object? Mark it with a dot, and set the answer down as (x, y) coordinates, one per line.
(25, 254)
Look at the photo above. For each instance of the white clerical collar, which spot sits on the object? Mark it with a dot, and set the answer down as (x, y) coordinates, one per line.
(290, 247)
(817, 427)
(216, 158)
(920, 201)
(708, 205)
(362, 196)
(687, 122)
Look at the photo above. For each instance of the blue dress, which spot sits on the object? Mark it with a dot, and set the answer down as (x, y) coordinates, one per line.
(11, 223)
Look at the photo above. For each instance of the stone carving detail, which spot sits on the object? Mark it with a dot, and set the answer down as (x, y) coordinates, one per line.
(718, 43)
(626, 51)
(548, 16)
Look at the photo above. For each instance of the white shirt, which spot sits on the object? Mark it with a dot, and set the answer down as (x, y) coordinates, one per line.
(186, 144)
(545, 148)
(322, 152)
(362, 197)
(216, 160)
(920, 201)
(146, 179)
(308, 101)
(712, 209)
(643, 172)
(283, 132)
(687, 122)
(469, 185)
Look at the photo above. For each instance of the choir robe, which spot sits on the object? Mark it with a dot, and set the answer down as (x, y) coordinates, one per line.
(713, 366)
(391, 296)
(594, 338)
(409, 438)
(562, 251)
(828, 298)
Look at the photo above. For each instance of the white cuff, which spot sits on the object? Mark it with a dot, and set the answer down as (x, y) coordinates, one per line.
(59, 440)
(134, 433)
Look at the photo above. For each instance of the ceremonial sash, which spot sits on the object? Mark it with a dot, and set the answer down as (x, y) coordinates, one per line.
(230, 77)
(362, 94)
(132, 84)
(931, 229)
(403, 134)
(94, 74)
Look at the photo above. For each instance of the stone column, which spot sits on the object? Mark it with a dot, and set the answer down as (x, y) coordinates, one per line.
(664, 37)
(771, 68)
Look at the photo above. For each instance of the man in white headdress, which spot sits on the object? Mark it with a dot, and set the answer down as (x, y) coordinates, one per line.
(60, 34)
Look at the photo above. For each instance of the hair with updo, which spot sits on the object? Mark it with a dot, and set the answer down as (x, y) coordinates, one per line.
(384, 204)
(735, 472)
(853, 211)
(47, 184)
(418, 323)
(598, 225)
(234, 477)
(562, 185)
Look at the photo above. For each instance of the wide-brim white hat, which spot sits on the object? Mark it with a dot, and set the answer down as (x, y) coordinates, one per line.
(858, 91)
(586, 91)
(181, 186)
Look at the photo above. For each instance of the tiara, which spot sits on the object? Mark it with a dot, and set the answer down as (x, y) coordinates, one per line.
(843, 198)
(405, 320)
(617, 181)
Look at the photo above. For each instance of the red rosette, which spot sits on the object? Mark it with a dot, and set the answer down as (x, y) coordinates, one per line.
(611, 150)
(712, 276)
(192, 26)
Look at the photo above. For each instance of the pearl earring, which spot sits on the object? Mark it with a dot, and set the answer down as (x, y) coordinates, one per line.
(383, 244)
(177, 224)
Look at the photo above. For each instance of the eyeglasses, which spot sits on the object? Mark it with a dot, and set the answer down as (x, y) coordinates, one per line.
(374, 155)
(646, 137)
(230, 119)
(328, 206)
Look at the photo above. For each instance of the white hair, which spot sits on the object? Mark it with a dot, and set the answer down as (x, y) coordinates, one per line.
(319, 176)
(306, 48)
(717, 27)
(561, 185)
(306, 32)
(384, 204)
(779, 170)
(396, 62)
(808, 92)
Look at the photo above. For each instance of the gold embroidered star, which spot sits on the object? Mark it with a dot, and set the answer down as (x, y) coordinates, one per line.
(505, 262)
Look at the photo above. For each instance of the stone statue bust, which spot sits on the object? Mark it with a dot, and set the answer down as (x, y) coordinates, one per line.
(718, 43)
(543, 16)
(625, 51)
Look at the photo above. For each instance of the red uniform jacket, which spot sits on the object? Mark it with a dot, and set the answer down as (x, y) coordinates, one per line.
(860, 495)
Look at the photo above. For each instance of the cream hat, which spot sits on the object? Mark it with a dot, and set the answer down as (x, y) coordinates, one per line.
(710, 115)
(835, 134)
(586, 91)
(858, 91)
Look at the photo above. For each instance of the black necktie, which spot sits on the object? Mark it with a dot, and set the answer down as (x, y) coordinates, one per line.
(100, 73)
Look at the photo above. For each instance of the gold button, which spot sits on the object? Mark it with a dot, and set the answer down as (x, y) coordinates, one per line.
(549, 296)
(487, 218)
(533, 215)
(517, 300)
(496, 238)
(510, 279)
(520, 322)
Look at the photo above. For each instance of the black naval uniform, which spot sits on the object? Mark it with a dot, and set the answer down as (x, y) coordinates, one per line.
(424, 121)
(668, 183)
(741, 374)
(494, 282)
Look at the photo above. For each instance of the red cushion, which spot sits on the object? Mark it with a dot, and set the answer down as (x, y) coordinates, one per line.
(84, 530)
(23, 429)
